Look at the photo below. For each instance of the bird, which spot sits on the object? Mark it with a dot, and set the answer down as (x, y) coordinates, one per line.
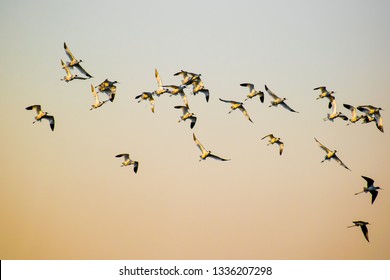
(253, 92)
(205, 153)
(368, 119)
(363, 226)
(42, 115)
(275, 140)
(160, 89)
(370, 188)
(327, 94)
(187, 115)
(69, 76)
(373, 111)
(354, 117)
(74, 62)
(277, 100)
(187, 76)
(146, 96)
(198, 86)
(128, 161)
(179, 90)
(109, 88)
(331, 154)
(237, 105)
(334, 115)
(97, 103)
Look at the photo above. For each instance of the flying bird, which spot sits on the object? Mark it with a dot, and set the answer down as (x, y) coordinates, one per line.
(69, 76)
(198, 86)
(42, 115)
(109, 88)
(373, 111)
(327, 94)
(146, 96)
(275, 140)
(127, 161)
(237, 105)
(253, 92)
(179, 90)
(363, 226)
(370, 188)
(354, 118)
(97, 103)
(331, 154)
(334, 115)
(187, 115)
(277, 100)
(74, 62)
(186, 76)
(205, 153)
(160, 89)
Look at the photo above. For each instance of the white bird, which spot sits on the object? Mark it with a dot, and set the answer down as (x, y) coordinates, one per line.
(146, 96)
(237, 105)
(42, 115)
(69, 76)
(74, 62)
(205, 153)
(198, 86)
(109, 88)
(327, 94)
(370, 188)
(277, 100)
(186, 76)
(331, 154)
(253, 92)
(354, 118)
(363, 226)
(97, 103)
(187, 115)
(179, 90)
(128, 161)
(373, 111)
(334, 115)
(275, 140)
(160, 89)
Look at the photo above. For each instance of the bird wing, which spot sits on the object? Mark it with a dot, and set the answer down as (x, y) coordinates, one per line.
(94, 92)
(281, 147)
(248, 85)
(245, 113)
(51, 121)
(284, 105)
(322, 146)
(374, 194)
(323, 89)
(273, 95)
(193, 121)
(136, 166)
(379, 121)
(126, 156)
(363, 109)
(229, 101)
(151, 100)
(336, 158)
(365, 231)
(269, 135)
(69, 53)
(200, 146)
(183, 108)
(36, 107)
(82, 70)
(206, 93)
(159, 82)
(66, 68)
(370, 181)
(217, 157)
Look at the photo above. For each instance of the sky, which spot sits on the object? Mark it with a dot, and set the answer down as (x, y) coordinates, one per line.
(63, 194)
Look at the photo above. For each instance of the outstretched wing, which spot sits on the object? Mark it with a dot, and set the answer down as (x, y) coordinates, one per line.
(200, 146)
(336, 158)
(365, 231)
(229, 101)
(126, 156)
(245, 113)
(322, 146)
(248, 85)
(217, 157)
(51, 121)
(269, 135)
(68, 52)
(370, 181)
(284, 105)
(273, 95)
(82, 70)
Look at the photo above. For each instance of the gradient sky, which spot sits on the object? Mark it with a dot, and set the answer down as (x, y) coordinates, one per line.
(64, 194)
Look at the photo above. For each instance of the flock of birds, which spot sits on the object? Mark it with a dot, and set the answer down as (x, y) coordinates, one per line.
(371, 113)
